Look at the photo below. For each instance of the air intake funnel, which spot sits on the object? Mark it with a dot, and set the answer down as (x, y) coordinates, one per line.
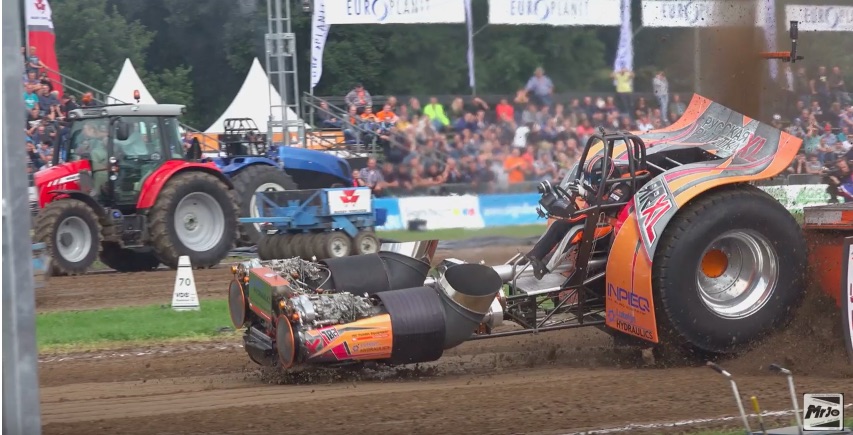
(467, 291)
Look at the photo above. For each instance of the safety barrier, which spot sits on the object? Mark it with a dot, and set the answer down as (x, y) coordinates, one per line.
(512, 209)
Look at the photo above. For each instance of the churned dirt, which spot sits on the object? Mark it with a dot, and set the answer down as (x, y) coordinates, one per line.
(553, 383)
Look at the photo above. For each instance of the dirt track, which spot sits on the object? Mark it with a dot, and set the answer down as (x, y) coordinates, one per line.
(556, 382)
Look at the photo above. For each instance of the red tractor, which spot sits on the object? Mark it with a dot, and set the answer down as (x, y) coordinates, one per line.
(120, 189)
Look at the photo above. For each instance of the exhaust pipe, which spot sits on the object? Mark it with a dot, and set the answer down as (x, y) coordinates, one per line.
(423, 250)
(375, 273)
(467, 291)
(404, 271)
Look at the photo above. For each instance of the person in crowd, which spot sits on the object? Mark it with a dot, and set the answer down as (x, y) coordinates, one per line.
(660, 85)
(541, 87)
(435, 112)
(359, 97)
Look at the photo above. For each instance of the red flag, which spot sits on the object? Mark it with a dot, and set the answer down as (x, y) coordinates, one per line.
(42, 38)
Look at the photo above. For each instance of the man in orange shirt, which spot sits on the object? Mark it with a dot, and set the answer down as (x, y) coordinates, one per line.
(386, 114)
(516, 167)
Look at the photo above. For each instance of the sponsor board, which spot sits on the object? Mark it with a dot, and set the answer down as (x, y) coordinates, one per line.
(510, 209)
(698, 13)
(350, 201)
(555, 12)
(393, 220)
(823, 412)
(820, 18)
(503, 210)
(443, 212)
(795, 197)
(394, 12)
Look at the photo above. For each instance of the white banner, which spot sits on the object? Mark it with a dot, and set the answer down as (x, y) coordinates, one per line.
(39, 14)
(625, 51)
(555, 12)
(395, 12)
(820, 18)
(319, 33)
(469, 18)
(698, 13)
(442, 212)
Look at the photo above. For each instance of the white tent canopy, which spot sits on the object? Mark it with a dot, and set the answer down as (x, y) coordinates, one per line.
(127, 82)
(253, 101)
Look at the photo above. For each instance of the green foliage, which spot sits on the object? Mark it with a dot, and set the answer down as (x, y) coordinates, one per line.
(94, 40)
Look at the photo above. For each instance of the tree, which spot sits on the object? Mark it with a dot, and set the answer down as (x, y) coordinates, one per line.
(93, 40)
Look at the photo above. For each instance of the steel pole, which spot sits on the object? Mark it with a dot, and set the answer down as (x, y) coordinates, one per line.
(697, 63)
(21, 408)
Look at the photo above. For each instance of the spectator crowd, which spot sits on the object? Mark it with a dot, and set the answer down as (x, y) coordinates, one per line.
(485, 147)
(532, 137)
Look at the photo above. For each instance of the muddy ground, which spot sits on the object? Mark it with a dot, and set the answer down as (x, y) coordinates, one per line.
(553, 383)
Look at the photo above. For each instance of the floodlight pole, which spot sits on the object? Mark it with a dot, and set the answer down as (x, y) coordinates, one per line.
(282, 69)
(21, 408)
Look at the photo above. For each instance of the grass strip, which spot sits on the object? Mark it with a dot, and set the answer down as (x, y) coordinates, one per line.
(521, 231)
(81, 330)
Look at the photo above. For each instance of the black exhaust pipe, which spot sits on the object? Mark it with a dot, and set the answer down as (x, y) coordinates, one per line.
(417, 324)
(375, 273)
(358, 274)
(404, 271)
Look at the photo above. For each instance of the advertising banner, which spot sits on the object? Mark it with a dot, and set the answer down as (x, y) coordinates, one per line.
(698, 13)
(555, 12)
(442, 212)
(319, 34)
(394, 11)
(510, 209)
(818, 18)
(39, 21)
(795, 197)
(393, 221)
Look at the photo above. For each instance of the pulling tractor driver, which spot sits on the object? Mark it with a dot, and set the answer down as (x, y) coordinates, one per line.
(618, 184)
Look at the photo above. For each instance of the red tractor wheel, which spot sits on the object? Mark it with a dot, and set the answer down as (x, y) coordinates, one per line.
(71, 232)
(195, 215)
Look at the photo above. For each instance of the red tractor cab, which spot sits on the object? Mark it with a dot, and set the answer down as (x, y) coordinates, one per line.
(120, 189)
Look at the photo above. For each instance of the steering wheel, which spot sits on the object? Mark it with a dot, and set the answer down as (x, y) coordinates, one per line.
(558, 202)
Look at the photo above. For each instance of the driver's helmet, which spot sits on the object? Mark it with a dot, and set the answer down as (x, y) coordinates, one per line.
(598, 170)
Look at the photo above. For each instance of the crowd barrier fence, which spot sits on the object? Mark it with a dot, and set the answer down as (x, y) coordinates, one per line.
(514, 209)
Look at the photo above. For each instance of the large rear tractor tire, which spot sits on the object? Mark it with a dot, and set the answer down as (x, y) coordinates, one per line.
(71, 232)
(259, 178)
(196, 216)
(729, 270)
(128, 260)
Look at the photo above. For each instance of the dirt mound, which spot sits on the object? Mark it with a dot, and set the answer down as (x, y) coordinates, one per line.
(811, 345)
